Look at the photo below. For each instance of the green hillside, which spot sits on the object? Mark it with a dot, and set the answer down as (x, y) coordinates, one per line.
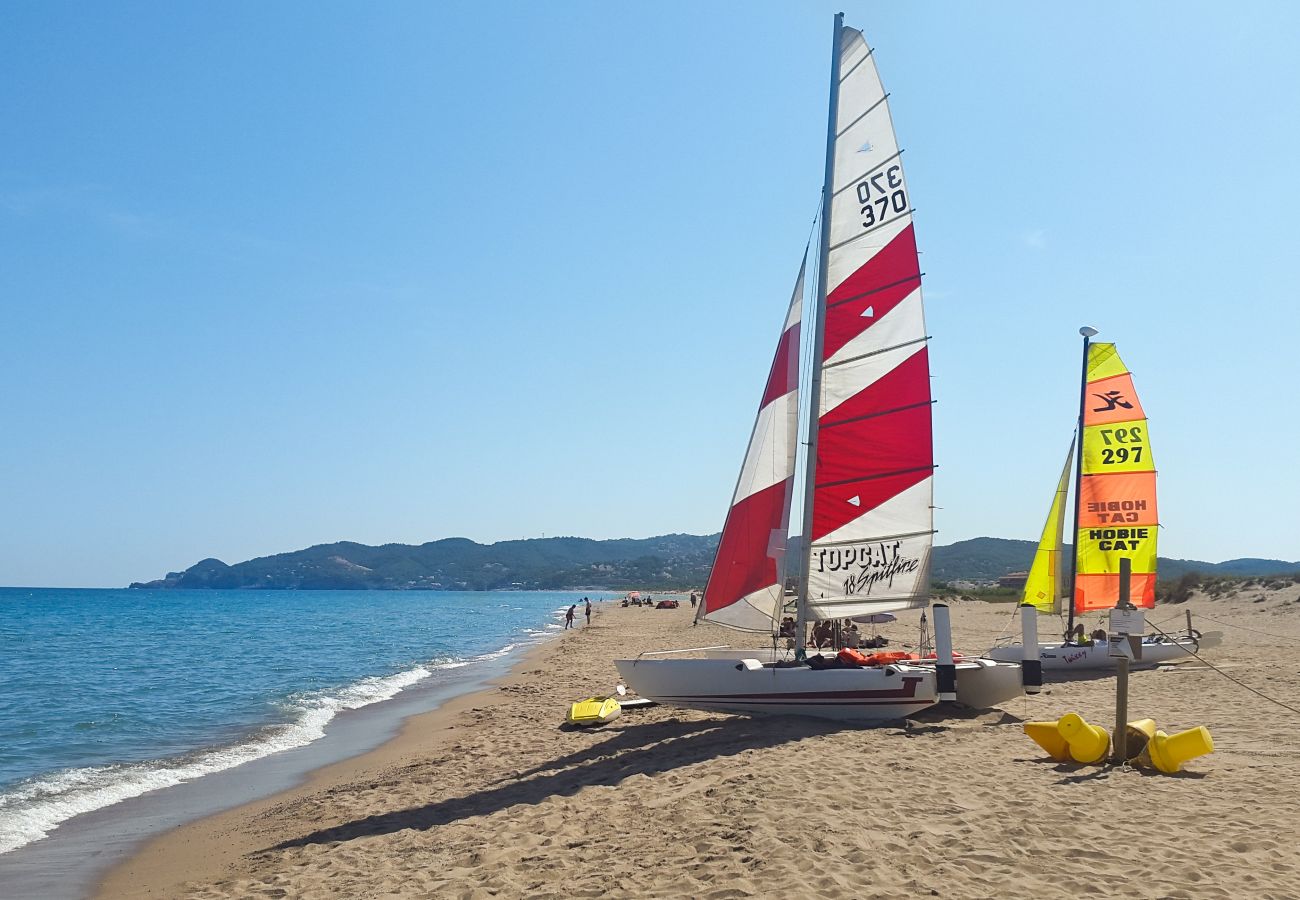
(671, 561)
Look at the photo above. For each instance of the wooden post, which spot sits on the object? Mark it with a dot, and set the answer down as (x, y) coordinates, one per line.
(1120, 743)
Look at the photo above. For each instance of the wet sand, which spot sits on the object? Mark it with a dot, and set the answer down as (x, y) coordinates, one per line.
(488, 796)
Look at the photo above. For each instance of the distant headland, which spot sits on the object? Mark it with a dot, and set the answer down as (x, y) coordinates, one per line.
(670, 561)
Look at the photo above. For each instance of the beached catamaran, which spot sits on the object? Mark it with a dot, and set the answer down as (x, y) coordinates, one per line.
(864, 502)
(1115, 518)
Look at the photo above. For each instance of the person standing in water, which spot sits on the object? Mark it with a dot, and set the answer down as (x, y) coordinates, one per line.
(568, 617)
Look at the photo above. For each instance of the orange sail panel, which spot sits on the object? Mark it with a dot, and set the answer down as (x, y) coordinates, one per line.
(1117, 496)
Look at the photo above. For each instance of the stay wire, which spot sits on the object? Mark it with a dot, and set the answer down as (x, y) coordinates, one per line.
(1235, 625)
(1235, 681)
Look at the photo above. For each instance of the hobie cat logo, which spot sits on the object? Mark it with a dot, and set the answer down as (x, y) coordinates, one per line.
(865, 148)
(1112, 400)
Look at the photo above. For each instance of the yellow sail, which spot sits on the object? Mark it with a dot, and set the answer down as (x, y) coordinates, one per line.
(1043, 587)
(1117, 499)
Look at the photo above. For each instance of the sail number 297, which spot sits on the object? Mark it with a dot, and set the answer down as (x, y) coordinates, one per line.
(880, 194)
(1122, 445)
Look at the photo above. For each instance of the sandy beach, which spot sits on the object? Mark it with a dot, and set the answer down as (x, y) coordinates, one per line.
(488, 796)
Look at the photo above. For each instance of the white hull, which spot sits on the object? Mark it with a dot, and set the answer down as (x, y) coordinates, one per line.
(981, 683)
(1060, 657)
(876, 694)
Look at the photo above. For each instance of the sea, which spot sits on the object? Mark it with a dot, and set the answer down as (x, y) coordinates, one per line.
(107, 695)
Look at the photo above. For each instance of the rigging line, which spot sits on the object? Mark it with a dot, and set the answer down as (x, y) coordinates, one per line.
(1242, 627)
(1235, 681)
(867, 174)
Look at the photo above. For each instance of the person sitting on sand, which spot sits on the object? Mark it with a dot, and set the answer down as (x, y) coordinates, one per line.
(787, 627)
(852, 639)
(822, 634)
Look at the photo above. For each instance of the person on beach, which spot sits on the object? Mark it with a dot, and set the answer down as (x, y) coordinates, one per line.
(568, 617)
(692, 599)
(822, 634)
(852, 639)
(588, 610)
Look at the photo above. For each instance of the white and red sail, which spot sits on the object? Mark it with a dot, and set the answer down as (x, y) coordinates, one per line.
(872, 519)
(746, 588)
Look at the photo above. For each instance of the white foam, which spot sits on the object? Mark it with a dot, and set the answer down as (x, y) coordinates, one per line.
(34, 808)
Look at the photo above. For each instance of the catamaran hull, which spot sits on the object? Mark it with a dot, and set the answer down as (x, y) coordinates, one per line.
(1096, 657)
(876, 694)
(981, 683)
(984, 683)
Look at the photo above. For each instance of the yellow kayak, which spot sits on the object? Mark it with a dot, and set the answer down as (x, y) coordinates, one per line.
(594, 711)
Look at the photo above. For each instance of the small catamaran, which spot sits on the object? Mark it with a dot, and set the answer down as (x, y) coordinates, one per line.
(863, 508)
(1115, 519)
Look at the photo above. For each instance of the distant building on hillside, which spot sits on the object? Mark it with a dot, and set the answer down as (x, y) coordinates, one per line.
(1013, 580)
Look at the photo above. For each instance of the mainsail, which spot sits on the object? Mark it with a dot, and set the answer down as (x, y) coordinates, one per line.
(745, 587)
(871, 521)
(1043, 586)
(1117, 496)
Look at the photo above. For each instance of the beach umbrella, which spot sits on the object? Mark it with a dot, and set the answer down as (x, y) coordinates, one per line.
(876, 618)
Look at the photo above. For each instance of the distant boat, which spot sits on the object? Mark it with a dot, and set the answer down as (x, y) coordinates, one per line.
(865, 502)
(1115, 518)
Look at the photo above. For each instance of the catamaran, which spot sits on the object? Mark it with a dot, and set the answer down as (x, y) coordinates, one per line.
(1115, 519)
(862, 511)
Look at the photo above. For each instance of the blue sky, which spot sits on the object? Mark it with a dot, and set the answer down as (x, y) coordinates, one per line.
(282, 274)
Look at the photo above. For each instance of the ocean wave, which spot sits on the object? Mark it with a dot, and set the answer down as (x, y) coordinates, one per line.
(32, 809)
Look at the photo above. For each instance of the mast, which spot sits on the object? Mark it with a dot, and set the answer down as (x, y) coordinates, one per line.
(818, 342)
(1088, 333)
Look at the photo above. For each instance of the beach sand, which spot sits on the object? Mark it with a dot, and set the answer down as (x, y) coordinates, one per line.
(488, 796)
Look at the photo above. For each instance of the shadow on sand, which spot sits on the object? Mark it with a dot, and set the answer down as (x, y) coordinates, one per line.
(640, 749)
(648, 748)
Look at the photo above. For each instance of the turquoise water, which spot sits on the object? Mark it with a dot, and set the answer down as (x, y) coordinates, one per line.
(105, 695)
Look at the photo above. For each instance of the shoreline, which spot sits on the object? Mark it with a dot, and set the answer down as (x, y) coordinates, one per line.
(156, 860)
(488, 795)
(75, 856)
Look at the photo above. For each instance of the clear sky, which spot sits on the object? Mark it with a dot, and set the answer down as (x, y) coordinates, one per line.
(281, 274)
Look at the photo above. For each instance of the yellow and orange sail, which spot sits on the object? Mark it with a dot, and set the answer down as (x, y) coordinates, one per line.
(1117, 499)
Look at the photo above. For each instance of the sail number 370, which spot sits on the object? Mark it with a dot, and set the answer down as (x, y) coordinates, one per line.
(1119, 437)
(881, 194)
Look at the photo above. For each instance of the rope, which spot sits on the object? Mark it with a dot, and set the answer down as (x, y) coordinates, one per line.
(1235, 681)
(1235, 625)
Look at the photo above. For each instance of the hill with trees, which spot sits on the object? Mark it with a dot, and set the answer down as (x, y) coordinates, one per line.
(670, 561)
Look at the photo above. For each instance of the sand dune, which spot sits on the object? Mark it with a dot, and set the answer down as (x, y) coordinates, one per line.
(490, 797)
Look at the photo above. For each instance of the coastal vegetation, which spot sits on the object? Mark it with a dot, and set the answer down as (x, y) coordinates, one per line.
(666, 562)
